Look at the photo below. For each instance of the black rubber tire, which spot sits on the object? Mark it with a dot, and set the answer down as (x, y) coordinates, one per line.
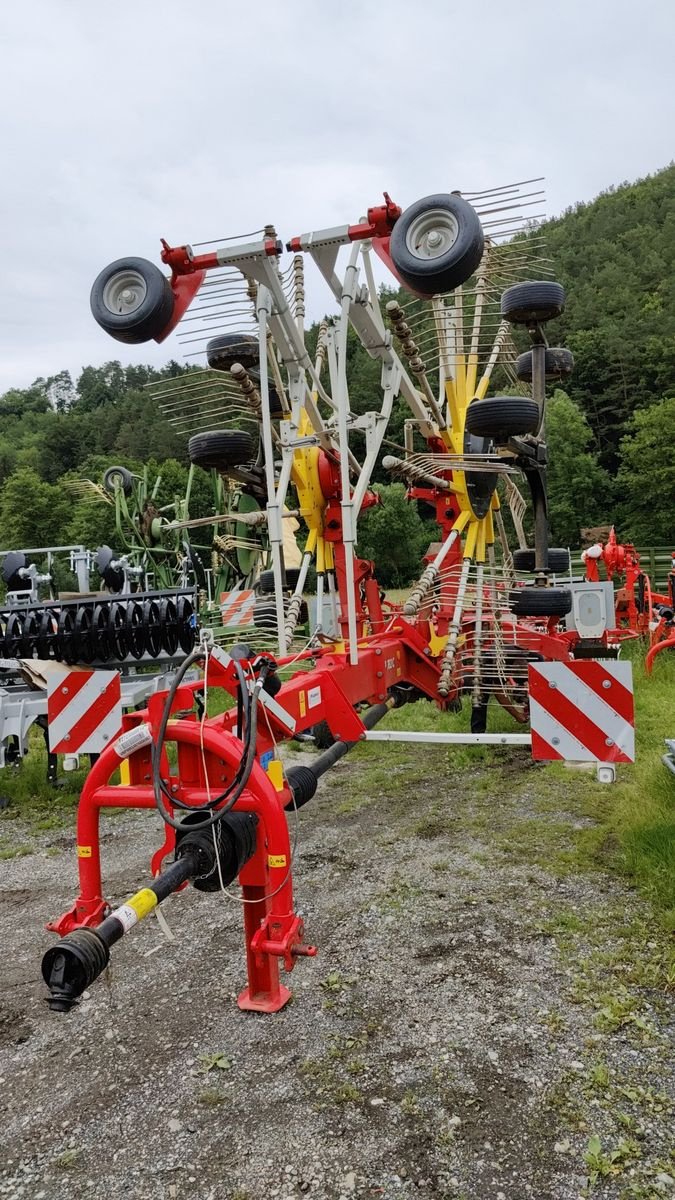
(540, 601)
(12, 563)
(152, 315)
(502, 417)
(559, 364)
(292, 577)
(265, 583)
(113, 577)
(323, 738)
(230, 348)
(558, 559)
(218, 449)
(428, 276)
(533, 302)
(118, 475)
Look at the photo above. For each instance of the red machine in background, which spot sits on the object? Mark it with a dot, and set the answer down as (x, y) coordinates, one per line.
(639, 610)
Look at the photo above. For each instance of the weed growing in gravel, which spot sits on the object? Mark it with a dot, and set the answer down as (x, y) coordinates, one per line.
(603, 1163)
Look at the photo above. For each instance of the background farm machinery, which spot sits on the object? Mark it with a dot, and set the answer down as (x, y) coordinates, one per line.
(469, 626)
(640, 611)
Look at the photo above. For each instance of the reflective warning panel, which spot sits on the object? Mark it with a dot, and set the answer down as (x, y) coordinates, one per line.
(84, 710)
(582, 711)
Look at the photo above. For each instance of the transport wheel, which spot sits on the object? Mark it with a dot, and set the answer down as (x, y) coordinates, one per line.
(113, 577)
(533, 302)
(540, 601)
(132, 300)
(118, 477)
(558, 559)
(559, 364)
(152, 627)
(437, 243)
(292, 577)
(220, 449)
(266, 583)
(12, 563)
(230, 348)
(323, 738)
(168, 623)
(503, 417)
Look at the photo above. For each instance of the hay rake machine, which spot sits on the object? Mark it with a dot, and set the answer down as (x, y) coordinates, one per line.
(639, 610)
(468, 625)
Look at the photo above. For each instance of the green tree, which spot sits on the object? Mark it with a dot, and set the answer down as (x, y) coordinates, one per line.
(579, 489)
(394, 536)
(32, 512)
(647, 475)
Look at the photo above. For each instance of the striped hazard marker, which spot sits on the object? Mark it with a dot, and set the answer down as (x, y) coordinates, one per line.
(237, 608)
(84, 710)
(582, 711)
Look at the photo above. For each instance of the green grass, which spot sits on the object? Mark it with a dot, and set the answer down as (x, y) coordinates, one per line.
(633, 820)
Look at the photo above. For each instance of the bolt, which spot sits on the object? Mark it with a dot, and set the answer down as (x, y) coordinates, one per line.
(555, 741)
(67, 738)
(609, 742)
(379, 674)
(64, 690)
(552, 684)
(606, 683)
(434, 238)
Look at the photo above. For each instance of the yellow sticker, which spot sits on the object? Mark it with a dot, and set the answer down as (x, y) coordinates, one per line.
(302, 703)
(84, 851)
(276, 860)
(275, 772)
(143, 902)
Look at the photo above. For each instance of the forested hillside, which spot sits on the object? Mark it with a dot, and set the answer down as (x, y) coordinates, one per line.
(612, 435)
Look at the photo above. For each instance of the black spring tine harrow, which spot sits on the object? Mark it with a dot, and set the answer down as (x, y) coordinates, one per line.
(100, 631)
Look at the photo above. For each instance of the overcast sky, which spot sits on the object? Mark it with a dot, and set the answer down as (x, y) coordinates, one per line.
(124, 121)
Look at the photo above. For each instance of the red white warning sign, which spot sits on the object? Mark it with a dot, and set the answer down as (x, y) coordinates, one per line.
(237, 608)
(582, 711)
(84, 710)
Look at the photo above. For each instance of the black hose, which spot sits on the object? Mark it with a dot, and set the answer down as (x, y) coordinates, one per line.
(222, 803)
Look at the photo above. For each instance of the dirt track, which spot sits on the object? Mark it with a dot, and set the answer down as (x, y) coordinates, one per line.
(446, 1042)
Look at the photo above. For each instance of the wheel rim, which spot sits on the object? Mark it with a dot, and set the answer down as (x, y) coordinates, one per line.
(125, 292)
(432, 234)
(101, 633)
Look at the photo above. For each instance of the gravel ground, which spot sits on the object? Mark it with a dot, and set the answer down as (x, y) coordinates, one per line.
(463, 1032)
